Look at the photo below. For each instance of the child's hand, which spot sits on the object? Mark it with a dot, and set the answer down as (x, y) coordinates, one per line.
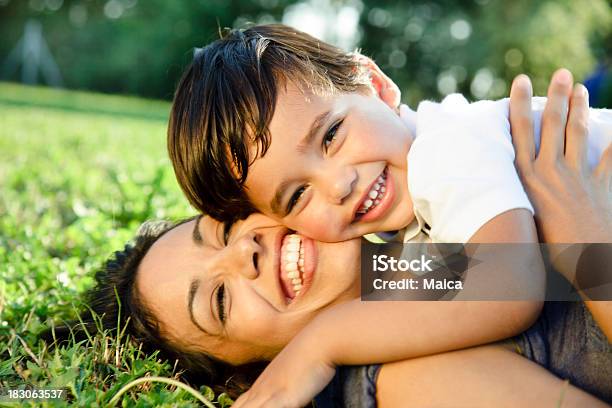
(295, 376)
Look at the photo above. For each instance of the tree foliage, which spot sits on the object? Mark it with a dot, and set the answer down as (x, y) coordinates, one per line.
(477, 47)
(429, 47)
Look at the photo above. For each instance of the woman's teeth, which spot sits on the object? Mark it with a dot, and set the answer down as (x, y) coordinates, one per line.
(293, 260)
(374, 195)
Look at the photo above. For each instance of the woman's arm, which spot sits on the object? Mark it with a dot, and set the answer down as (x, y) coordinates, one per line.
(486, 376)
(573, 204)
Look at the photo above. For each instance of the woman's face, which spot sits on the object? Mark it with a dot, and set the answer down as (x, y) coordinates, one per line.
(236, 300)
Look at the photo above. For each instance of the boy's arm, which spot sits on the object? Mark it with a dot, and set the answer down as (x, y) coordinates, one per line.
(377, 332)
(359, 332)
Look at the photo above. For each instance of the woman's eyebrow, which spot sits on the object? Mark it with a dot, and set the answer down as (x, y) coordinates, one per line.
(195, 234)
(193, 288)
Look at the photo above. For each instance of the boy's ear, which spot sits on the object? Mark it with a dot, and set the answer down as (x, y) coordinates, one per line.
(384, 87)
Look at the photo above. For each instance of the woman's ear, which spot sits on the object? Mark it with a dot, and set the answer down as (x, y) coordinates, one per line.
(384, 87)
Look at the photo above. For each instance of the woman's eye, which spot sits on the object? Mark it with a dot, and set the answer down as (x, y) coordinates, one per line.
(221, 302)
(227, 229)
(330, 136)
(295, 198)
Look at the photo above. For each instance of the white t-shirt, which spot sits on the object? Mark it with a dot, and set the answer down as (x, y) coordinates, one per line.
(461, 170)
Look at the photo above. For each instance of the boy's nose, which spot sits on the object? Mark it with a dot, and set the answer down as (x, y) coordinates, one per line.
(340, 183)
(241, 257)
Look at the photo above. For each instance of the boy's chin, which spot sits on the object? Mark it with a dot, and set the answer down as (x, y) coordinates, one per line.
(396, 222)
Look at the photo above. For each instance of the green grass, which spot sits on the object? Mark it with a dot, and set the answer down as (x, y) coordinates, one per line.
(78, 173)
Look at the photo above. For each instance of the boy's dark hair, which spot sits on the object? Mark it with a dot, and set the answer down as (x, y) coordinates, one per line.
(114, 301)
(225, 100)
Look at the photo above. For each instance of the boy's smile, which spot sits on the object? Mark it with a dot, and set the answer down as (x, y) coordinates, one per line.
(336, 165)
(377, 199)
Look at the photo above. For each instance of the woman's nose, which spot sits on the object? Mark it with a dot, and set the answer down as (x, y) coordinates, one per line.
(338, 183)
(242, 256)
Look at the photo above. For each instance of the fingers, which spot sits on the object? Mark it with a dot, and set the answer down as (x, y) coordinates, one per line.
(554, 117)
(521, 121)
(577, 129)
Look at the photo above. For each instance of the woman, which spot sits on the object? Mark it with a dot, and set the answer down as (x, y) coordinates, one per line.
(190, 314)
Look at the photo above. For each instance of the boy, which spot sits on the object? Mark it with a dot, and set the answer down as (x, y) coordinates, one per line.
(337, 169)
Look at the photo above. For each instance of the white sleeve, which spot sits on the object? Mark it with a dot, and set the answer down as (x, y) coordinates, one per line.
(461, 167)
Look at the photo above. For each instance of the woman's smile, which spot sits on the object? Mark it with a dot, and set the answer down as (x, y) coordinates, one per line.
(297, 265)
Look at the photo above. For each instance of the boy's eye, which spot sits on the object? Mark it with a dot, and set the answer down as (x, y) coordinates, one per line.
(295, 198)
(330, 136)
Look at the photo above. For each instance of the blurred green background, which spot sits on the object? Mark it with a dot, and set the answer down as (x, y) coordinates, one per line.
(431, 48)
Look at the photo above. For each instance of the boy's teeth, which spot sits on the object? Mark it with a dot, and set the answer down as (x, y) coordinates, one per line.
(374, 195)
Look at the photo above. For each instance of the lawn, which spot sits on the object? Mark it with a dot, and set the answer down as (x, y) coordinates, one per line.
(79, 172)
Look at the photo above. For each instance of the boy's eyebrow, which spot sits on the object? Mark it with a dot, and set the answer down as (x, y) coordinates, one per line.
(316, 125)
(303, 144)
(275, 204)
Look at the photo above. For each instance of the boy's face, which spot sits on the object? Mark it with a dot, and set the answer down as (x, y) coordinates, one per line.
(336, 166)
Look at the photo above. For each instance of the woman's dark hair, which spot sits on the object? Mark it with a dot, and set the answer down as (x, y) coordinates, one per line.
(223, 105)
(114, 301)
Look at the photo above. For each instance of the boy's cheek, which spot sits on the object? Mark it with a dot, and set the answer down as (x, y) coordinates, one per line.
(310, 228)
(325, 229)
